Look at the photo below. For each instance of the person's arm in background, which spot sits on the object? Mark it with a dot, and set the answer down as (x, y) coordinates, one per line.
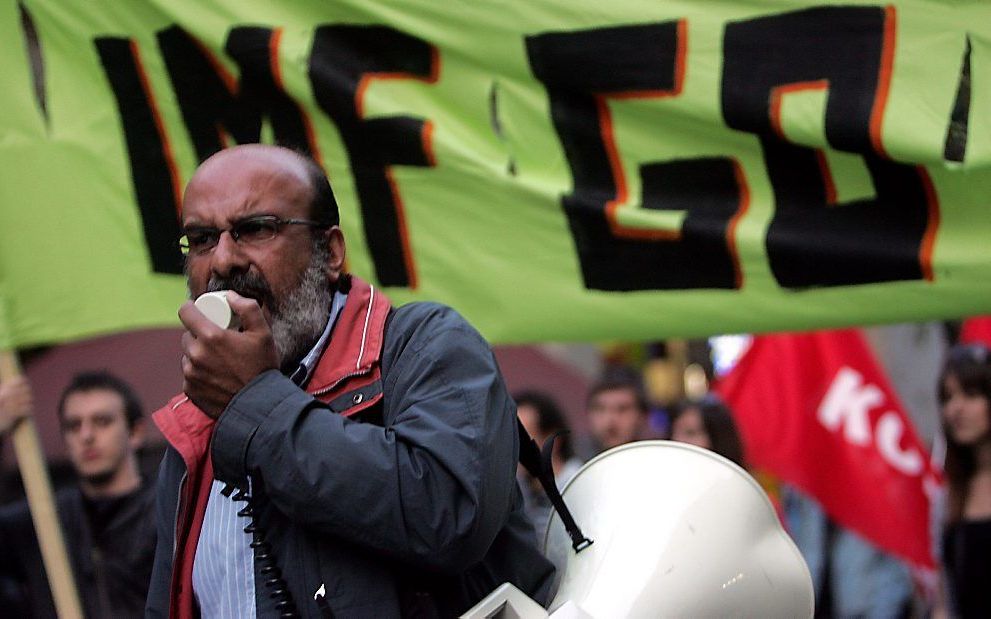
(15, 402)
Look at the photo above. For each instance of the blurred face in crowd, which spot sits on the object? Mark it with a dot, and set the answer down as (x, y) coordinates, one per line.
(531, 421)
(289, 275)
(615, 417)
(967, 415)
(101, 445)
(688, 428)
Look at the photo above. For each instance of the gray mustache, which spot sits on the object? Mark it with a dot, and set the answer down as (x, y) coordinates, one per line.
(246, 285)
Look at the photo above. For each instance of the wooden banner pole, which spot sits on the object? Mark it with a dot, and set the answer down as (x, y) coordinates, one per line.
(38, 488)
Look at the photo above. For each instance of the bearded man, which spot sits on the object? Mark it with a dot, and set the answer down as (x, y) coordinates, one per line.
(333, 456)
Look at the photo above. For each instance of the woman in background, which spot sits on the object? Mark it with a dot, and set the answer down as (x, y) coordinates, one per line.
(708, 424)
(965, 397)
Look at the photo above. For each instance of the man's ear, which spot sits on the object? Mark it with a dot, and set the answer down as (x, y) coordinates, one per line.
(139, 432)
(336, 253)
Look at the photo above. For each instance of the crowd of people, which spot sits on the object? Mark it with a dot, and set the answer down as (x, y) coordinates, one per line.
(108, 515)
(851, 576)
(361, 459)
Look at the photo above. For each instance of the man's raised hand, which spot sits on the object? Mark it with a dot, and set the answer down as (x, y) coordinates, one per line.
(217, 363)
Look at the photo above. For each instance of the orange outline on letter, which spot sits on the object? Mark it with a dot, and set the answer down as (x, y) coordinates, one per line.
(276, 68)
(609, 141)
(883, 80)
(160, 127)
(426, 135)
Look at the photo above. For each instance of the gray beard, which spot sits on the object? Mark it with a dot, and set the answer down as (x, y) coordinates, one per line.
(299, 318)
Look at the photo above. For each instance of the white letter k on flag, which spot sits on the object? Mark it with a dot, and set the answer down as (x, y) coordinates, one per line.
(847, 404)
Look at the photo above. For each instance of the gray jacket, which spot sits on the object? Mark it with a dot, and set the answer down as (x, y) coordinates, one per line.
(406, 507)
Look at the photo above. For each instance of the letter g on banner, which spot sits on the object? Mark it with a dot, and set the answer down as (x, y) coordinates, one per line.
(812, 239)
(584, 69)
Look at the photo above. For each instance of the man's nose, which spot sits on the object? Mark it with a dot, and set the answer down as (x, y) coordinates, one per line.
(228, 257)
(86, 432)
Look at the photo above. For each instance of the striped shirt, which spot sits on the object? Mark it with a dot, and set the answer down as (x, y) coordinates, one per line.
(223, 568)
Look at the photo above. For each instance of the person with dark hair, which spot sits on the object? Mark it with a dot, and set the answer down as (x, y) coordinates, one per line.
(965, 398)
(333, 455)
(617, 410)
(543, 419)
(107, 519)
(709, 424)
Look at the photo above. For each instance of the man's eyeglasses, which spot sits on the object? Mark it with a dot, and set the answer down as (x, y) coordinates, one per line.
(250, 231)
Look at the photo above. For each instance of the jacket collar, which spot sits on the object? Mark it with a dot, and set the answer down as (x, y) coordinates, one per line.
(355, 348)
(186, 428)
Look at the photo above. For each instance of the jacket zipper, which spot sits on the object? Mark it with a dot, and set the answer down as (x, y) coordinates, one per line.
(175, 522)
(340, 380)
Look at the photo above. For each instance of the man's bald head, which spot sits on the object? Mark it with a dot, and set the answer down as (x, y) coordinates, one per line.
(296, 168)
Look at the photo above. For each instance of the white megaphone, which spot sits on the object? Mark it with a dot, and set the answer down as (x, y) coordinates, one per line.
(678, 531)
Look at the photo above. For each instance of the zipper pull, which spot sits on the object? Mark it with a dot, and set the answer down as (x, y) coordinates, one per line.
(320, 596)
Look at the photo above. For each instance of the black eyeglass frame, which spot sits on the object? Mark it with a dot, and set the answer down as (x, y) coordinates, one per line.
(237, 231)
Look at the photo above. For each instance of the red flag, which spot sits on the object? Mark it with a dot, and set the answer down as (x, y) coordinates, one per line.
(976, 330)
(817, 410)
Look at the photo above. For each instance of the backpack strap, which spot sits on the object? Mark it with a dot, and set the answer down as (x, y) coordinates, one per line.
(539, 465)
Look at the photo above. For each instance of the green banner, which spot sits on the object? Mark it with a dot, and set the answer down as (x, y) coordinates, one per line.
(556, 170)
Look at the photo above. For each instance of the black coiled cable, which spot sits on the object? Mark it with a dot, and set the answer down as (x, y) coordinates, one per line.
(279, 590)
